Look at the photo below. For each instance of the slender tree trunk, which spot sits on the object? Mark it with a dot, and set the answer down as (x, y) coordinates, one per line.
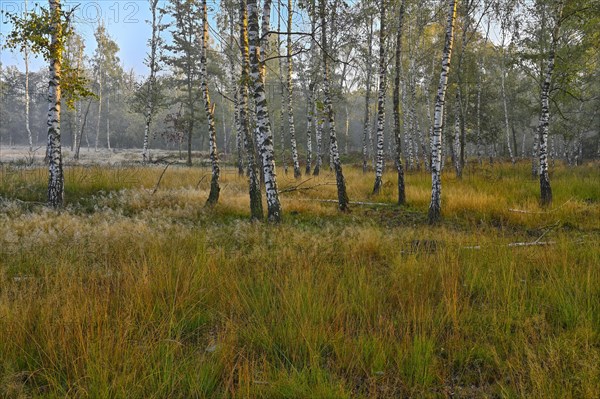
(191, 118)
(99, 109)
(75, 126)
(256, 209)
(367, 121)
(264, 42)
(480, 69)
(282, 88)
(544, 121)
(239, 142)
(150, 90)
(337, 165)
(457, 143)
(213, 196)
(319, 137)
(27, 100)
(309, 127)
(108, 120)
(505, 104)
(85, 115)
(397, 136)
(381, 101)
(262, 115)
(436, 147)
(416, 134)
(347, 132)
(55, 166)
(292, 128)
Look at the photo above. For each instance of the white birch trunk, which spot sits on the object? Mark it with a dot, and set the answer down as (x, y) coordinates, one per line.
(319, 138)
(309, 128)
(99, 109)
(381, 101)
(27, 100)
(505, 104)
(544, 121)
(396, 99)
(265, 144)
(367, 121)
(213, 196)
(290, 107)
(55, 166)
(337, 165)
(256, 210)
(282, 89)
(150, 100)
(108, 120)
(436, 147)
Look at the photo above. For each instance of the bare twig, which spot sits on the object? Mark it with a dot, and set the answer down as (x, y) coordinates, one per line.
(200, 181)
(518, 244)
(296, 188)
(540, 212)
(161, 176)
(351, 202)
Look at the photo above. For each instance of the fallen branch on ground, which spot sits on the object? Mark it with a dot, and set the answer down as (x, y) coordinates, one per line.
(539, 212)
(298, 188)
(351, 202)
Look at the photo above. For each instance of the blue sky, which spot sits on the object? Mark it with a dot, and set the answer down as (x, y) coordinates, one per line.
(125, 21)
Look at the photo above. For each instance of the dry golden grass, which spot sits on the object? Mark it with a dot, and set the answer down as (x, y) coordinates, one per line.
(131, 294)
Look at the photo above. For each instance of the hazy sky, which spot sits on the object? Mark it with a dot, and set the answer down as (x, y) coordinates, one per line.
(125, 21)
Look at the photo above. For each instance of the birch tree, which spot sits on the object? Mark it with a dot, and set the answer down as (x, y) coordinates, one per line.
(265, 136)
(152, 62)
(381, 100)
(56, 183)
(397, 136)
(213, 196)
(290, 106)
(544, 120)
(367, 130)
(46, 33)
(27, 100)
(436, 140)
(337, 165)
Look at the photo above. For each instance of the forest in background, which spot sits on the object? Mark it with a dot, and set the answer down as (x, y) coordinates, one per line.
(492, 103)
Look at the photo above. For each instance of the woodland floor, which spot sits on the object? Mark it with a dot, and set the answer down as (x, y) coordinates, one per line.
(139, 291)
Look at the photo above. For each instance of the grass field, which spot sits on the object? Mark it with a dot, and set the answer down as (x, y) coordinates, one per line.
(130, 294)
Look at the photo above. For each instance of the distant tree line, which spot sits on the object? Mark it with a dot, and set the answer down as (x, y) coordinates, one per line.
(333, 81)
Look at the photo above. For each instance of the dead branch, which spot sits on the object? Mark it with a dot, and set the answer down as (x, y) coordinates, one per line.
(161, 176)
(351, 202)
(296, 188)
(540, 212)
(518, 244)
(200, 181)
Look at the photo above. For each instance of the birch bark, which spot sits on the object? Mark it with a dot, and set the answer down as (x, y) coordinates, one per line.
(27, 100)
(213, 196)
(397, 136)
(381, 101)
(152, 63)
(55, 166)
(436, 147)
(256, 209)
(290, 106)
(262, 114)
(337, 165)
(544, 121)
